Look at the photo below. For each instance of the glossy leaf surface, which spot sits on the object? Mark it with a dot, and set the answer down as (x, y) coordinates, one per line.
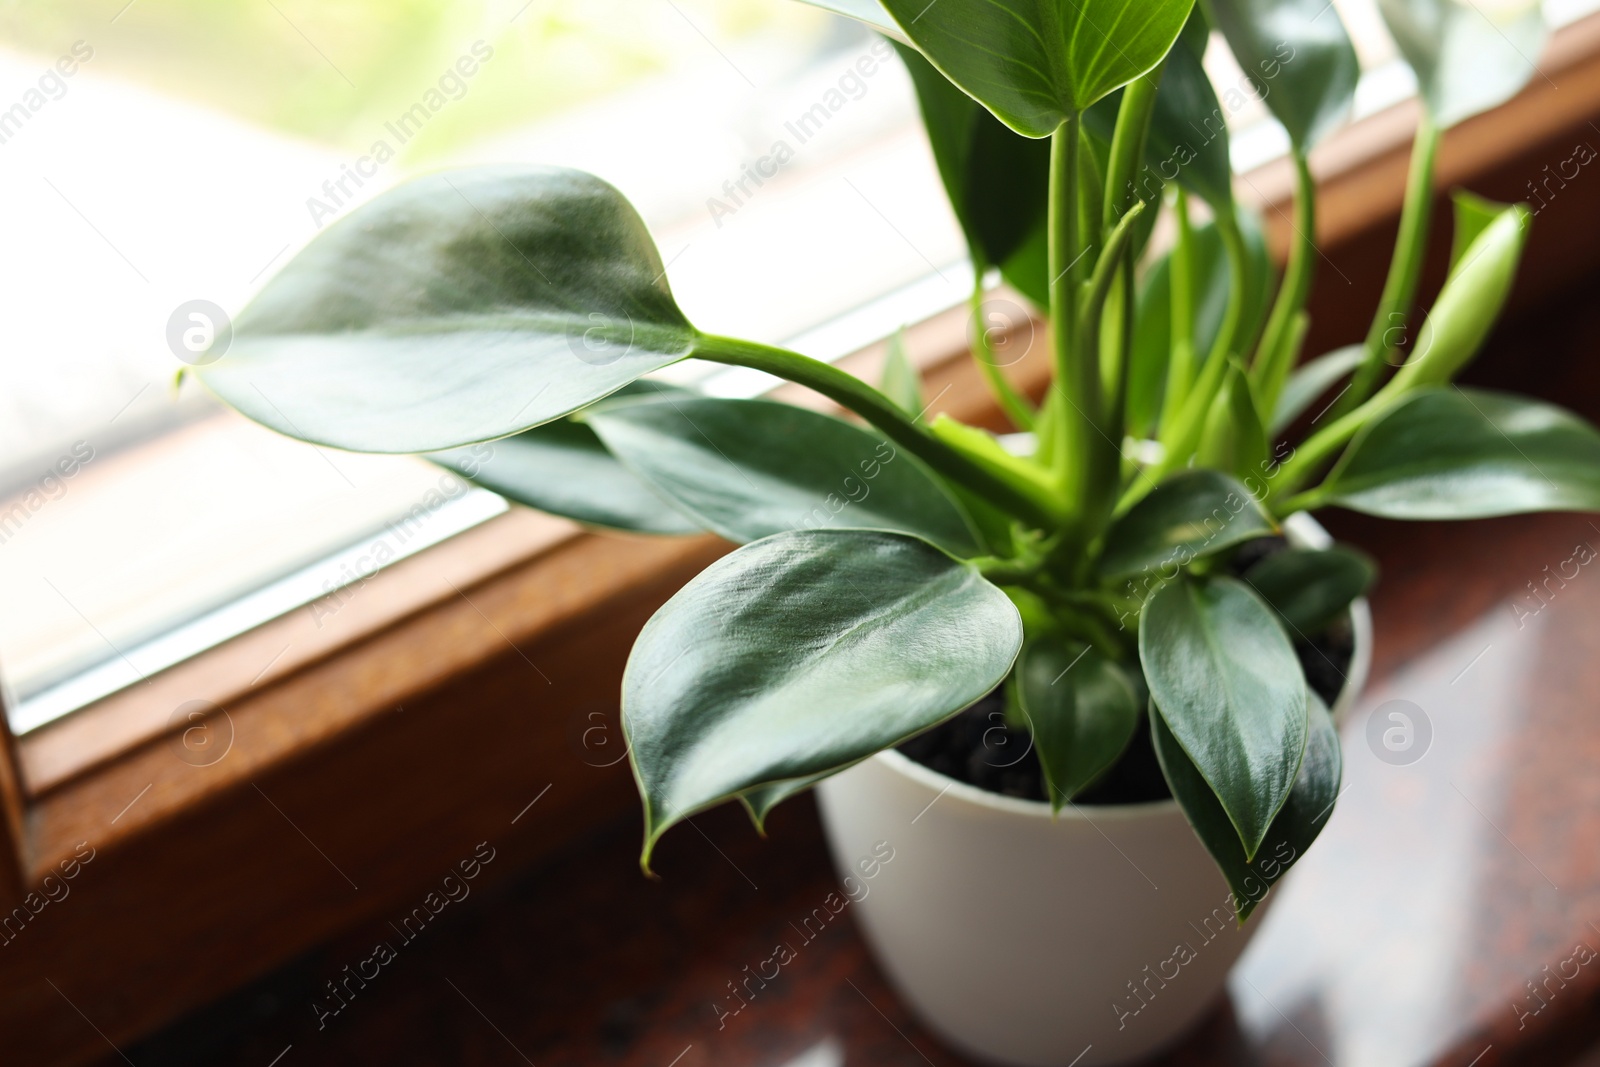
(457, 308)
(1034, 63)
(1452, 453)
(1468, 57)
(1192, 514)
(1297, 825)
(1228, 685)
(750, 468)
(1081, 708)
(563, 468)
(1309, 587)
(1298, 56)
(801, 654)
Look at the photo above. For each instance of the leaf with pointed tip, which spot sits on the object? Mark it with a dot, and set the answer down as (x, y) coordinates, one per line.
(900, 381)
(1454, 453)
(1304, 813)
(1228, 685)
(1299, 58)
(564, 469)
(1081, 709)
(759, 802)
(750, 468)
(1309, 587)
(799, 655)
(1235, 440)
(1468, 57)
(1310, 380)
(459, 307)
(1194, 513)
(1034, 63)
(1473, 214)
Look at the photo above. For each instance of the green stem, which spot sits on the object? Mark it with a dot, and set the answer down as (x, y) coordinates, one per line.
(1025, 502)
(1270, 367)
(1180, 274)
(1238, 287)
(1077, 374)
(1127, 144)
(1405, 269)
(1015, 405)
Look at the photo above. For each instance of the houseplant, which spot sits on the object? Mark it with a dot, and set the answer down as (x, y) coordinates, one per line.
(1105, 581)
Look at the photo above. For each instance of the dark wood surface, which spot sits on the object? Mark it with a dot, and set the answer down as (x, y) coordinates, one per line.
(1442, 894)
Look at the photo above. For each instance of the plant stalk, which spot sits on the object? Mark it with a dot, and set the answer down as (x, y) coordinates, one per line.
(1012, 402)
(1405, 269)
(1026, 502)
(1271, 365)
(1077, 374)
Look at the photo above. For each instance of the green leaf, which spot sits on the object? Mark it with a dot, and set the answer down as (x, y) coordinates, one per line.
(1310, 587)
(1081, 709)
(1194, 513)
(1310, 380)
(1226, 682)
(1473, 214)
(746, 469)
(562, 468)
(1234, 439)
(1467, 57)
(1299, 58)
(1297, 825)
(1034, 63)
(900, 381)
(456, 308)
(1468, 304)
(759, 802)
(799, 655)
(1453, 453)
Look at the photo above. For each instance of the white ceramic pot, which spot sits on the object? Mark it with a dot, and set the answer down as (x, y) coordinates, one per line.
(1096, 937)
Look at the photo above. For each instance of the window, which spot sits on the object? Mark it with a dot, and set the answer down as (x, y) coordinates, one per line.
(166, 152)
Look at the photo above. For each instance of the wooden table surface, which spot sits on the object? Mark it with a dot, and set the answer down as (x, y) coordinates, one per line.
(1449, 914)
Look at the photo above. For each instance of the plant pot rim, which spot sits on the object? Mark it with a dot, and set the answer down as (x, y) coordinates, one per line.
(1300, 528)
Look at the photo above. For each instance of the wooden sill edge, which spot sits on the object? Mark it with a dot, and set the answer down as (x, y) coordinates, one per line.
(114, 771)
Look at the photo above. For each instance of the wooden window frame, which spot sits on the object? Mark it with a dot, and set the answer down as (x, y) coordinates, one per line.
(363, 748)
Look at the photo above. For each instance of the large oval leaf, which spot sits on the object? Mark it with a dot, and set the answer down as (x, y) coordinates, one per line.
(563, 468)
(1453, 453)
(1081, 709)
(1468, 57)
(1226, 682)
(1299, 58)
(799, 655)
(456, 308)
(750, 468)
(1297, 825)
(1192, 514)
(1034, 63)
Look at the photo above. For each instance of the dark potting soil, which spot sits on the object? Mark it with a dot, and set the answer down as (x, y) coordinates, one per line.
(978, 748)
